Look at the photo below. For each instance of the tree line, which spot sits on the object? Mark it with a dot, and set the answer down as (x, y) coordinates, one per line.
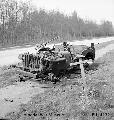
(21, 23)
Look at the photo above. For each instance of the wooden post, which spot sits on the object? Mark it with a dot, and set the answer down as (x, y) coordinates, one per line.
(82, 73)
(85, 97)
(81, 62)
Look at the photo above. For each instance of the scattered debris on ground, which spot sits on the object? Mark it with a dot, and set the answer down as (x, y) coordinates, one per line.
(65, 100)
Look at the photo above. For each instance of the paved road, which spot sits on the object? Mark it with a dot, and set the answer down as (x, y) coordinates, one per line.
(103, 51)
(11, 56)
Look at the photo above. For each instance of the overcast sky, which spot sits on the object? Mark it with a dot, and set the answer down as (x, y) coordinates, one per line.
(96, 10)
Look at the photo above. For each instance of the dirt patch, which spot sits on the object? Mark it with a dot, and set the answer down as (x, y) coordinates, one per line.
(14, 95)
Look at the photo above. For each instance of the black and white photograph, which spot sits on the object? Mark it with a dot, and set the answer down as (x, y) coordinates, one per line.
(56, 60)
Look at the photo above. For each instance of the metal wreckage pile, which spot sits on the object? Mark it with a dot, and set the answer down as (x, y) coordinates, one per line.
(50, 64)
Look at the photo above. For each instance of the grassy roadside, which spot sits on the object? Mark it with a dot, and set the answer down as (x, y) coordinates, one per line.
(8, 76)
(65, 102)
